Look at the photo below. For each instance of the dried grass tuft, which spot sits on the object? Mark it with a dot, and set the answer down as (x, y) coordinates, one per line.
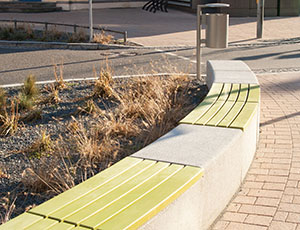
(59, 79)
(3, 101)
(41, 147)
(9, 120)
(102, 38)
(7, 207)
(89, 107)
(145, 109)
(52, 95)
(103, 86)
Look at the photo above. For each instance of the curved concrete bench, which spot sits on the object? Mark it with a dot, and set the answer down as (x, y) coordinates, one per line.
(225, 154)
(163, 185)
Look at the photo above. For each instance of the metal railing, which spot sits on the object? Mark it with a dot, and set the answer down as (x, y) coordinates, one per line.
(75, 26)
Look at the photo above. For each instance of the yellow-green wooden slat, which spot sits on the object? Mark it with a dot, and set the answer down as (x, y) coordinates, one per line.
(86, 187)
(62, 226)
(155, 201)
(216, 106)
(210, 113)
(131, 197)
(21, 222)
(234, 93)
(243, 93)
(254, 93)
(79, 212)
(221, 114)
(244, 117)
(209, 100)
(231, 115)
(42, 224)
(225, 92)
(79, 228)
(88, 199)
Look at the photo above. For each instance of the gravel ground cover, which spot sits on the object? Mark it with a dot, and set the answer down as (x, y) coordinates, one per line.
(80, 128)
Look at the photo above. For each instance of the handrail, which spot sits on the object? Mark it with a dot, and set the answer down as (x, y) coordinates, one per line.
(75, 26)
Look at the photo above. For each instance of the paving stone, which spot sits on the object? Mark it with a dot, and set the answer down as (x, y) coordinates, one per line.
(274, 180)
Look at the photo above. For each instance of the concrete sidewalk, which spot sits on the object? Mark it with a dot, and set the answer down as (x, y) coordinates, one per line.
(166, 29)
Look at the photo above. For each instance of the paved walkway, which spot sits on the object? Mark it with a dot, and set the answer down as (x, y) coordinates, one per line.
(166, 29)
(270, 195)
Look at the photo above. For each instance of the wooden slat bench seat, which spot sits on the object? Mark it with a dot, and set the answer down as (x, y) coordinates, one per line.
(226, 105)
(123, 196)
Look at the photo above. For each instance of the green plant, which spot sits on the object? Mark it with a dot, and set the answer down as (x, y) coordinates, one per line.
(79, 36)
(89, 107)
(29, 93)
(43, 146)
(32, 116)
(52, 34)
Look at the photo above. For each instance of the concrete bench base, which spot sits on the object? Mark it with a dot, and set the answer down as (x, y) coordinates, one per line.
(225, 154)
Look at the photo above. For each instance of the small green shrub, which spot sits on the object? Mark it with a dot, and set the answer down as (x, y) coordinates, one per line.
(41, 147)
(28, 93)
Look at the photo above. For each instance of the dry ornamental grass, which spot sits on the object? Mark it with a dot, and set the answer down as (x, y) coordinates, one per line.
(111, 121)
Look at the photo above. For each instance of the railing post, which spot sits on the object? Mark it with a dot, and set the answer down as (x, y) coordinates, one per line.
(15, 23)
(260, 18)
(46, 26)
(125, 36)
(75, 28)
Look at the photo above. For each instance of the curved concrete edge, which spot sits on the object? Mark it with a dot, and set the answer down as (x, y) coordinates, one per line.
(219, 71)
(225, 154)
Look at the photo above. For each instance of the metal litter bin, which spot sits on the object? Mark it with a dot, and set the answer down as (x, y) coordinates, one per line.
(217, 30)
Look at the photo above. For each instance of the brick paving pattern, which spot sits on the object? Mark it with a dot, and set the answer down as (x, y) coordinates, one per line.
(270, 196)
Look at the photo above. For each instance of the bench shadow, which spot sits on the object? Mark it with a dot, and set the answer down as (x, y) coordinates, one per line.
(278, 119)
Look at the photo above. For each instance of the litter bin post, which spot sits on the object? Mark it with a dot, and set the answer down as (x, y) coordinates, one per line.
(212, 36)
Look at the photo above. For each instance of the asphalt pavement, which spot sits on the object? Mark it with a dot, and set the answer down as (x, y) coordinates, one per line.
(278, 51)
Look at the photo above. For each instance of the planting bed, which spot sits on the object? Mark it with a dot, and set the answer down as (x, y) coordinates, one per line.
(27, 32)
(74, 130)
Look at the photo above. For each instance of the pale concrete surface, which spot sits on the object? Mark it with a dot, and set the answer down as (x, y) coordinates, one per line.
(192, 145)
(183, 213)
(166, 29)
(269, 199)
(229, 72)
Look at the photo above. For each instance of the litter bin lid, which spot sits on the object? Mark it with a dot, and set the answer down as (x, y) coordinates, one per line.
(215, 5)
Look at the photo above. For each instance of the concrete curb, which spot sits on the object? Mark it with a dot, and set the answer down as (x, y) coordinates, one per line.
(79, 46)
(95, 46)
(93, 79)
(225, 154)
(64, 45)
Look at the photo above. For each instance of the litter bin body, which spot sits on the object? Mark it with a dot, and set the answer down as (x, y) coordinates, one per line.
(217, 30)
